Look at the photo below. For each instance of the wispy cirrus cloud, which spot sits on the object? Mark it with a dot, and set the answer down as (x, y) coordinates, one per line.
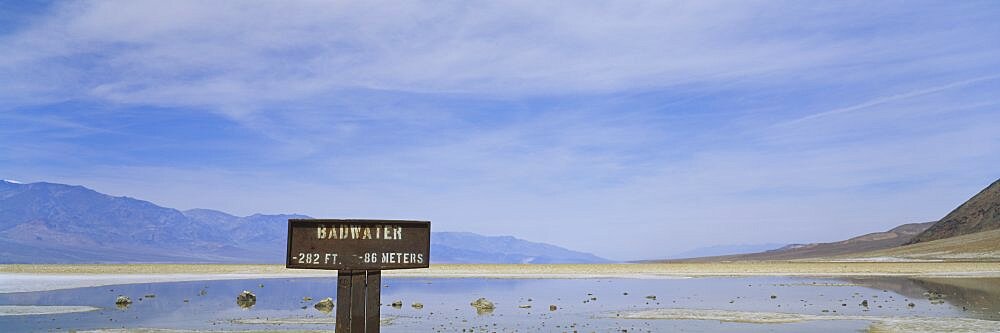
(239, 58)
(891, 98)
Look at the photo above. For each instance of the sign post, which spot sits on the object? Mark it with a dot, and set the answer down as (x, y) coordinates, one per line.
(358, 250)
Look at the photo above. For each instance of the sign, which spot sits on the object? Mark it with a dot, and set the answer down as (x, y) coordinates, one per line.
(359, 250)
(358, 244)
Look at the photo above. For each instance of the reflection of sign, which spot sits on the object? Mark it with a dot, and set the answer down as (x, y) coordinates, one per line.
(358, 244)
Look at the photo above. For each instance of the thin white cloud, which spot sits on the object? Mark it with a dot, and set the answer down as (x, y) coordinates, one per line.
(890, 98)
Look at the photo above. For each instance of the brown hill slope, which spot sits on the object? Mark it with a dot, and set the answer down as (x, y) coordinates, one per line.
(869, 242)
(980, 213)
(980, 246)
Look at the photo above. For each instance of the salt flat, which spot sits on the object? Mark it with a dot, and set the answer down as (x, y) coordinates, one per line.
(24, 278)
(24, 310)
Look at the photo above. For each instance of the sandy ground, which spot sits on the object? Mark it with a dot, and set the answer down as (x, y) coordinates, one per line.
(22, 278)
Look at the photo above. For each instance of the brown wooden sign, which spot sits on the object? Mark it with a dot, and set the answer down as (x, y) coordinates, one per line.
(359, 250)
(358, 244)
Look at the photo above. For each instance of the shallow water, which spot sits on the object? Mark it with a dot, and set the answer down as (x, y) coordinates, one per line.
(211, 305)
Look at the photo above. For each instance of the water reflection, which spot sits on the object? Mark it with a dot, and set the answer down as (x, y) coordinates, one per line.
(978, 297)
(516, 304)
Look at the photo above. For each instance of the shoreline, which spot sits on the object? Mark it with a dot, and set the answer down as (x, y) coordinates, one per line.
(32, 277)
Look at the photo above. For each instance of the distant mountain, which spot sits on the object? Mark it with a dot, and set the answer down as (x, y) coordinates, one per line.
(720, 250)
(265, 234)
(979, 213)
(57, 223)
(79, 224)
(870, 242)
(457, 247)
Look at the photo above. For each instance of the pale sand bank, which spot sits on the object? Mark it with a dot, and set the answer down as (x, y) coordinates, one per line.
(22, 278)
(24, 310)
(879, 324)
(160, 330)
(297, 321)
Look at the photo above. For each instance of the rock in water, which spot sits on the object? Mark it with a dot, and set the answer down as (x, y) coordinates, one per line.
(397, 304)
(246, 299)
(122, 302)
(482, 303)
(553, 307)
(324, 306)
(483, 306)
(417, 305)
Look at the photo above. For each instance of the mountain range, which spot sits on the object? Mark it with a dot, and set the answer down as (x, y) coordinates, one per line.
(58, 223)
(869, 242)
(723, 250)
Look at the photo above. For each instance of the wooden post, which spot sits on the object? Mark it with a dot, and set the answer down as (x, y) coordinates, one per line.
(373, 287)
(358, 301)
(344, 301)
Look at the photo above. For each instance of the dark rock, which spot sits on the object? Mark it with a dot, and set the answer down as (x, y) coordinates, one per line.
(482, 303)
(325, 306)
(483, 306)
(246, 299)
(122, 302)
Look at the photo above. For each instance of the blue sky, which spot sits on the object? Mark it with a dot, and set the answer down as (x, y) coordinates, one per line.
(630, 130)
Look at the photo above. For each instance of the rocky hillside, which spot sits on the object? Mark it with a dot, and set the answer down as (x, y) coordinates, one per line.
(978, 214)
